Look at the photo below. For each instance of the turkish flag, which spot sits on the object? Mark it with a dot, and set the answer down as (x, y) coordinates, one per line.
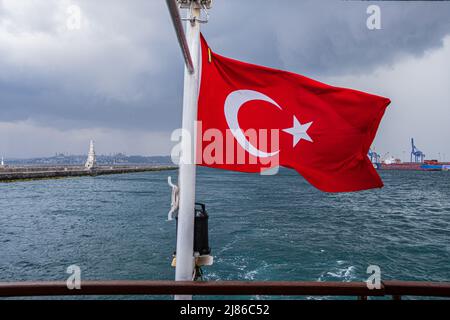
(252, 118)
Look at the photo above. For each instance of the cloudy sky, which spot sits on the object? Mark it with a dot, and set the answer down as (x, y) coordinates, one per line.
(118, 78)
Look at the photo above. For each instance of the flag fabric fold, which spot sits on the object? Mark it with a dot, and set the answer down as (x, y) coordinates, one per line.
(252, 118)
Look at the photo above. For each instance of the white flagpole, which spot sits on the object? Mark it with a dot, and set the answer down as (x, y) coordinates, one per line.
(187, 169)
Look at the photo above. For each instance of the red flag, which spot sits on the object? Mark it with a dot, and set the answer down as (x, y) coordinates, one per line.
(252, 118)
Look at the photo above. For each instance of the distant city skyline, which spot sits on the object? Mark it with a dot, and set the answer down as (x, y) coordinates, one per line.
(117, 78)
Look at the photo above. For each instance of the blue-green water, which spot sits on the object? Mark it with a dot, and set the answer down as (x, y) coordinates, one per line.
(261, 228)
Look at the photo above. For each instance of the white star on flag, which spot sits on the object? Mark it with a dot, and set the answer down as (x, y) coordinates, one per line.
(299, 131)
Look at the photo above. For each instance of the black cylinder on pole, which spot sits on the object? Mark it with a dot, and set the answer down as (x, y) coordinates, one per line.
(201, 236)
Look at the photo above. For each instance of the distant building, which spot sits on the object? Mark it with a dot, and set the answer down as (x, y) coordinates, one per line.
(91, 160)
(2, 164)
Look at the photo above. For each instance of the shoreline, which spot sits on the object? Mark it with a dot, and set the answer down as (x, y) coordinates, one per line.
(30, 173)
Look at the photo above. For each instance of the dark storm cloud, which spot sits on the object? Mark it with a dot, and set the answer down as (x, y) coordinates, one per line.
(65, 109)
(326, 37)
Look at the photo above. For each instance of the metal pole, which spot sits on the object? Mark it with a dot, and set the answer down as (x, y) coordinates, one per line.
(178, 25)
(185, 237)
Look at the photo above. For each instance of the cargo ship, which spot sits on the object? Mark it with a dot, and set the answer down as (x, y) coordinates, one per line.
(427, 165)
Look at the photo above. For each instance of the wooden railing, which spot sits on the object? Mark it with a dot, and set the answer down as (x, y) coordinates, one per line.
(395, 289)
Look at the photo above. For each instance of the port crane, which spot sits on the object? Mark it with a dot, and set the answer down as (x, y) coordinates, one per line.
(374, 157)
(416, 153)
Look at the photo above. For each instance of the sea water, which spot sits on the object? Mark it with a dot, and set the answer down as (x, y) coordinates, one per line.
(261, 228)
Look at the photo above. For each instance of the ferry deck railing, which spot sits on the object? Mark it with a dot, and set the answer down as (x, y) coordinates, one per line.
(394, 289)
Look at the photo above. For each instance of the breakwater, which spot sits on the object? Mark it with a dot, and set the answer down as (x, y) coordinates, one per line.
(8, 174)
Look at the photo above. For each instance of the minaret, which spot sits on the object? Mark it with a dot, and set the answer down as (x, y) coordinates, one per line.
(91, 162)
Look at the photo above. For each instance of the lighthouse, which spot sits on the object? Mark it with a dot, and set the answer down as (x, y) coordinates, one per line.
(91, 162)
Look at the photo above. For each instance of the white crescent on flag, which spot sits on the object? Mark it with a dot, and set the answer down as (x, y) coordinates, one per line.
(234, 101)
